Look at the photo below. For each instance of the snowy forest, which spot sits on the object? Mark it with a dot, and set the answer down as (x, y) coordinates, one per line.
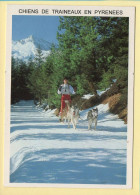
(92, 52)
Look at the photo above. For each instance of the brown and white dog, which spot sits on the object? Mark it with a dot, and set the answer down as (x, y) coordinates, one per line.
(71, 114)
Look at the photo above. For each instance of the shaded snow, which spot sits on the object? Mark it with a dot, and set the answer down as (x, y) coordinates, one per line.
(99, 92)
(46, 151)
(87, 96)
(102, 92)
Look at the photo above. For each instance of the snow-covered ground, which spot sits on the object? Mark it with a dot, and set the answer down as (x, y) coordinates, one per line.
(99, 93)
(44, 150)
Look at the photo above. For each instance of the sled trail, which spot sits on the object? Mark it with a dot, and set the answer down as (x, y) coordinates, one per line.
(43, 150)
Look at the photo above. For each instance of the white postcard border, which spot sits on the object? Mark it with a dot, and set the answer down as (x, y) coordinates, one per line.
(127, 12)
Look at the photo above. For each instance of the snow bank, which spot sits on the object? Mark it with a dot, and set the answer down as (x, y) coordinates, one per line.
(87, 96)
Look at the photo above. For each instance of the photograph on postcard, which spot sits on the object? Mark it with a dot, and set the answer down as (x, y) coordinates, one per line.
(69, 99)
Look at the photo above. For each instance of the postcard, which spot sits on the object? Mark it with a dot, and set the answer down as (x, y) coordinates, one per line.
(69, 96)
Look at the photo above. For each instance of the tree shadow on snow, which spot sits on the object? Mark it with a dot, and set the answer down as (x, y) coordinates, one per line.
(74, 137)
(71, 166)
(40, 125)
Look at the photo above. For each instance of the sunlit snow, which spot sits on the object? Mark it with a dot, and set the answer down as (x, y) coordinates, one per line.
(26, 48)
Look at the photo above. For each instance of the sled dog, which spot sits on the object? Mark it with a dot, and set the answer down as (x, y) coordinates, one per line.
(71, 114)
(63, 116)
(92, 117)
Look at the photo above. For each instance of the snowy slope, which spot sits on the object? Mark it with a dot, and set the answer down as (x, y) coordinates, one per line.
(46, 151)
(25, 48)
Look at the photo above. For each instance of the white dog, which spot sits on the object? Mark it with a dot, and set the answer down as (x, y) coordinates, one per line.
(92, 117)
(72, 115)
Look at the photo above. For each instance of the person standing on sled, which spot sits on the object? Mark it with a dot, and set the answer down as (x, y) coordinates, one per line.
(65, 90)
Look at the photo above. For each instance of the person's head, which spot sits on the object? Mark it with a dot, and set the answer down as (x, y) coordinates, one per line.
(65, 80)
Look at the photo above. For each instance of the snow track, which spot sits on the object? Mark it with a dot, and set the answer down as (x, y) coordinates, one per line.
(46, 151)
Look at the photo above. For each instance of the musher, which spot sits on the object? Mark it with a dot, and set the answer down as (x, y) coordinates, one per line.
(65, 90)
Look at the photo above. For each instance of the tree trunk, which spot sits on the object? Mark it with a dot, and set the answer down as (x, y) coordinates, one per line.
(92, 87)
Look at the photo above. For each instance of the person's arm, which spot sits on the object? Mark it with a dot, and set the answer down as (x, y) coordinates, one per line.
(72, 90)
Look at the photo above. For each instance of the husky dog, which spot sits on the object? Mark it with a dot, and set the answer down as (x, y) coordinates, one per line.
(92, 117)
(71, 114)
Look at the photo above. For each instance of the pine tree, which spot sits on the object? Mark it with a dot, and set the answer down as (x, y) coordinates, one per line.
(19, 81)
(92, 51)
(38, 57)
(77, 46)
